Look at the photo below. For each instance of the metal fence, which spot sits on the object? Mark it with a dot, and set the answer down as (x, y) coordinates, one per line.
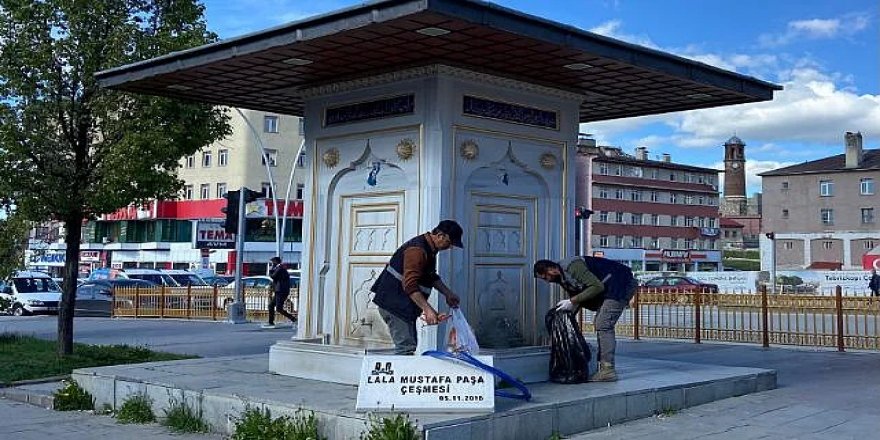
(194, 302)
(806, 320)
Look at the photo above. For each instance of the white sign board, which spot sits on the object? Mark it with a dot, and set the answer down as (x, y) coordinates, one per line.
(424, 383)
(729, 282)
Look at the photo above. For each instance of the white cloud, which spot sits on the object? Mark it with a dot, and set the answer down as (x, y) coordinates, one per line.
(817, 29)
(612, 28)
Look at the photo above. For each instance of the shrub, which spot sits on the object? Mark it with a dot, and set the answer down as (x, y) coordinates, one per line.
(394, 427)
(136, 409)
(72, 397)
(256, 424)
(180, 417)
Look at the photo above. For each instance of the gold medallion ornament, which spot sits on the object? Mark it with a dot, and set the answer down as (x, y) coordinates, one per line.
(469, 150)
(331, 157)
(405, 149)
(548, 161)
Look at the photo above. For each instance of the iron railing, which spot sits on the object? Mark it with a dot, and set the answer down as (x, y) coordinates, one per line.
(193, 302)
(842, 322)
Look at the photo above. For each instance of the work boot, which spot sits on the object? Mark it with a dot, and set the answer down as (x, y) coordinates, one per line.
(606, 373)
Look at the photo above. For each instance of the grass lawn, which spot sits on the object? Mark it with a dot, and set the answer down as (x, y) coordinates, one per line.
(26, 357)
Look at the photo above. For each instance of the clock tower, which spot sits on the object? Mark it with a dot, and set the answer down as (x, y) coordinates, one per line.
(735, 202)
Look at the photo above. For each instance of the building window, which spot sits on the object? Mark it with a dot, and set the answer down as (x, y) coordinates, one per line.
(701, 222)
(617, 170)
(788, 245)
(654, 196)
(867, 215)
(270, 124)
(827, 216)
(267, 190)
(618, 194)
(301, 160)
(654, 243)
(603, 193)
(826, 188)
(191, 161)
(636, 171)
(868, 244)
(701, 200)
(635, 196)
(221, 190)
(619, 217)
(603, 216)
(689, 221)
(222, 157)
(713, 222)
(655, 219)
(603, 241)
(270, 157)
(603, 169)
(206, 159)
(300, 191)
(636, 219)
(689, 178)
(827, 245)
(784, 186)
(688, 243)
(618, 241)
(204, 191)
(673, 198)
(688, 199)
(188, 192)
(673, 220)
(784, 213)
(672, 177)
(866, 186)
(635, 242)
(655, 173)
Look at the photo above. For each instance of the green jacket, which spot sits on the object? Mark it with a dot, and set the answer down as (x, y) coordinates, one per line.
(577, 280)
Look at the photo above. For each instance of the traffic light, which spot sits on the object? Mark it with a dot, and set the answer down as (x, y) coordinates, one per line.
(582, 213)
(230, 223)
(770, 235)
(233, 201)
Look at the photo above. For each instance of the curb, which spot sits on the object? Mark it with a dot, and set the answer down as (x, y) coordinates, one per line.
(29, 397)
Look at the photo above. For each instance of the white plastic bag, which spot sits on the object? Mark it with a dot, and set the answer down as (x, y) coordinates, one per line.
(461, 336)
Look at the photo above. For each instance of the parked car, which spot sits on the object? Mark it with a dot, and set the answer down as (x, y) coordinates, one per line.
(260, 282)
(153, 276)
(185, 278)
(95, 298)
(31, 293)
(677, 284)
(219, 280)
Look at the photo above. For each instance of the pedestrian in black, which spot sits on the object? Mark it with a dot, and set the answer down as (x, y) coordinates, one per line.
(874, 284)
(281, 289)
(403, 287)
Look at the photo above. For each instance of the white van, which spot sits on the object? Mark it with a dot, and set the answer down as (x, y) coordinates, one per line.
(31, 292)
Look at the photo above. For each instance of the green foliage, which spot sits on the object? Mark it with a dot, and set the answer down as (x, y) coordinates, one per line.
(748, 254)
(255, 424)
(180, 417)
(13, 241)
(555, 436)
(747, 265)
(786, 280)
(26, 357)
(71, 397)
(70, 149)
(396, 426)
(136, 409)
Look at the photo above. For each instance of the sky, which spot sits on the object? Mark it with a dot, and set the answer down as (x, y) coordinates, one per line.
(825, 53)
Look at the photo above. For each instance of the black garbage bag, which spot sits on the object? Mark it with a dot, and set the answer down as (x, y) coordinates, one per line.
(569, 352)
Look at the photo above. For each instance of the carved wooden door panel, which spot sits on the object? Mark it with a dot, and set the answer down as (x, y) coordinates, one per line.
(367, 239)
(502, 288)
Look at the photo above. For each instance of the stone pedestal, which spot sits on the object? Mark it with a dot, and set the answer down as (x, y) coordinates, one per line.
(388, 158)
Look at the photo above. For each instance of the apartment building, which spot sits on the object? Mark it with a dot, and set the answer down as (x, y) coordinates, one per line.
(653, 215)
(259, 154)
(823, 213)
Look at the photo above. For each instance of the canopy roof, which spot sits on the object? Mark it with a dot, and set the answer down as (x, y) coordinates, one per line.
(267, 70)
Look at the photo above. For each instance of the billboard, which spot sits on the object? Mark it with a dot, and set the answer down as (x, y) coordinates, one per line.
(210, 235)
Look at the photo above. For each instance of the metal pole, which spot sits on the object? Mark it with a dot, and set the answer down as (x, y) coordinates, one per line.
(773, 265)
(259, 143)
(236, 311)
(838, 308)
(765, 319)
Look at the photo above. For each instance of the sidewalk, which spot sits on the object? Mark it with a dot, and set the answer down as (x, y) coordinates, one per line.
(820, 395)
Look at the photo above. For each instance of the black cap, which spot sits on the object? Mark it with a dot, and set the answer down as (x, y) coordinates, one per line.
(453, 230)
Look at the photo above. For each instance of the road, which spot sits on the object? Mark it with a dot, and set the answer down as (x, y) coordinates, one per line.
(200, 338)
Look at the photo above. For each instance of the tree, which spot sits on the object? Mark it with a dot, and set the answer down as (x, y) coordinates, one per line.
(13, 240)
(70, 150)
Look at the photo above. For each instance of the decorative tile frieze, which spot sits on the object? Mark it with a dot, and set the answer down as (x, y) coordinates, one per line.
(363, 111)
(503, 111)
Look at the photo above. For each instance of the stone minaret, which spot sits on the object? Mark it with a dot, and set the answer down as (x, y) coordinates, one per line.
(735, 202)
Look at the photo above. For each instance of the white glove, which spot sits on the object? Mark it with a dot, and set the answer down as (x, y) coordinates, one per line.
(566, 305)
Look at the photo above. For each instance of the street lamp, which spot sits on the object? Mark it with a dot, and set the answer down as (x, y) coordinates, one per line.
(772, 237)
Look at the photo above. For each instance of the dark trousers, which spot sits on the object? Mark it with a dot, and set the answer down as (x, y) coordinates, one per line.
(277, 304)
